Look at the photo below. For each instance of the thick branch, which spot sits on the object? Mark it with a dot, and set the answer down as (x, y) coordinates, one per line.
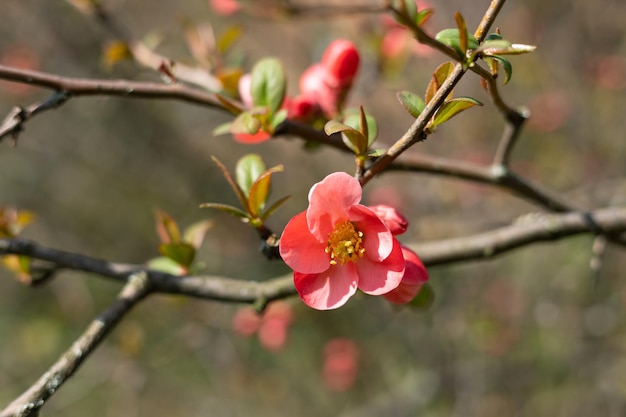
(31, 401)
(610, 221)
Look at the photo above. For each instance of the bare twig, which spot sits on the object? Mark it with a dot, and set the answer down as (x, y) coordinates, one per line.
(147, 57)
(32, 400)
(67, 87)
(528, 229)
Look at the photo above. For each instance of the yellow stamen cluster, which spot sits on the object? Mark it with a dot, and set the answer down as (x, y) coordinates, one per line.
(345, 244)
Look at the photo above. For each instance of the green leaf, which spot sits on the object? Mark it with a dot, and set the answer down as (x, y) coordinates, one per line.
(440, 75)
(246, 122)
(234, 211)
(271, 209)
(248, 169)
(462, 26)
(222, 129)
(351, 137)
(229, 37)
(503, 47)
(453, 107)
(423, 16)
(364, 123)
(167, 265)
(279, 117)
(230, 105)
(260, 190)
(411, 102)
(167, 229)
(407, 9)
(181, 253)
(424, 299)
(451, 38)
(243, 199)
(268, 84)
(194, 234)
(506, 65)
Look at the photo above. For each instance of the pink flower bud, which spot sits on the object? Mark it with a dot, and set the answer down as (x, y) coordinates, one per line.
(341, 61)
(395, 222)
(224, 7)
(245, 83)
(312, 80)
(302, 107)
(257, 137)
(415, 276)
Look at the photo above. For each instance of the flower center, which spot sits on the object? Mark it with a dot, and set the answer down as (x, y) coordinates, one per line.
(345, 244)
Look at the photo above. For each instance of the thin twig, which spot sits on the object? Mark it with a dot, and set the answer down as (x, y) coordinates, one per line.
(32, 400)
(67, 87)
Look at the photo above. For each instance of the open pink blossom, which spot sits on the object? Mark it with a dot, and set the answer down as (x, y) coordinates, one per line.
(338, 245)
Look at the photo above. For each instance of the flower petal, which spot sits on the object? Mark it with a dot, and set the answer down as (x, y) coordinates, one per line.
(329, 289)
(300, 250)
(376, 278)
(395, 222)
(329, 202)
(415, 276)
(377, 239)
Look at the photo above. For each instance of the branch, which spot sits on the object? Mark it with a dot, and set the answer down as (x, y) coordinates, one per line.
(527, 230)
(32, 400)
(67, 87)
(537, 228)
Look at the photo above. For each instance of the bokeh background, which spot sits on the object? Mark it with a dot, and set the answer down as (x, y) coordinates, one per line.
(532, 333)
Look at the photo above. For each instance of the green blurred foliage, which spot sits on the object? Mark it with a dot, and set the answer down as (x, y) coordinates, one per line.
(533, 333)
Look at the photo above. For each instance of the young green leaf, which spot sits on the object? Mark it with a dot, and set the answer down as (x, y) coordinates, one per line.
(234, 211)
(181, 253)
(506, 65)
(271, 209)
(246, 122)
(364, 123)
(268, 84)
(248, 169)
(440, 75)
(423, 16)
(260, 191)
(411, 102)
(194, 234)
(462, 26)
(453, 107)
(407, 9)
(167, 265)
(230, 105)
(235, 187)
(351, 137)
(222, 129)
(166, 226)
(451, 38)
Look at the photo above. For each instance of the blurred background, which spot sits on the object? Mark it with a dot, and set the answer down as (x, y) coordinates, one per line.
(533, 333)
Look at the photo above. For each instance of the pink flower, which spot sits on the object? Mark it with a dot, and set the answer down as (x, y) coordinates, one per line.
(340, 364)
(225, 7)
(329, 81)
(272, 326)
(338, 245)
